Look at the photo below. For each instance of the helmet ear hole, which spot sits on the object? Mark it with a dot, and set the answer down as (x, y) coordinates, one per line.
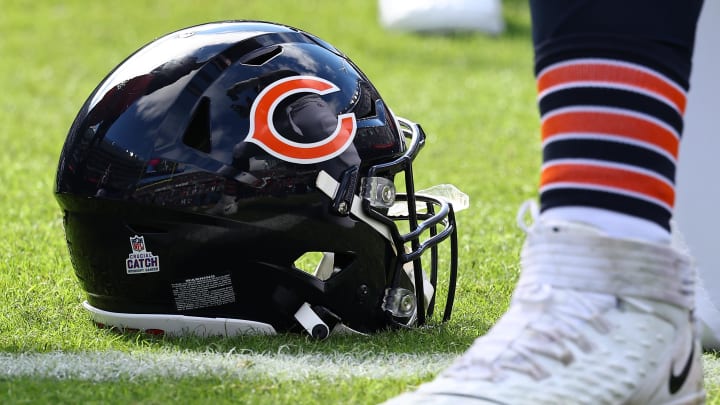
(319, 264)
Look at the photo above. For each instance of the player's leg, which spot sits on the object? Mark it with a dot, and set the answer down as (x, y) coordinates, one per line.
(603, 310)
(697, 198)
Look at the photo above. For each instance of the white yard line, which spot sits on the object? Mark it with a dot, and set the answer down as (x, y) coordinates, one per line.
(113, 365)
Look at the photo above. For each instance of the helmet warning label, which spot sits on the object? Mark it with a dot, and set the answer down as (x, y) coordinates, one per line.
(140, 260)
(201, 292)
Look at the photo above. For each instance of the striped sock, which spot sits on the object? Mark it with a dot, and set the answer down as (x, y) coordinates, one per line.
(610, 136)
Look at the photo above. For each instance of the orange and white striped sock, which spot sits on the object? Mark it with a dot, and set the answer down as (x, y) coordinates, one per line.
(610, 135)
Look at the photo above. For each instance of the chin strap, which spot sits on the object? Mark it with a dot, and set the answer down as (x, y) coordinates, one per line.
(320, 323)
(311, 322)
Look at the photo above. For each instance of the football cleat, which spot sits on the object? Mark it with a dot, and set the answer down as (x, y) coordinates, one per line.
(593, 320)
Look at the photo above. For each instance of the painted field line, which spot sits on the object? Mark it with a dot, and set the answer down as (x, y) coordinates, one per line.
(114, 365)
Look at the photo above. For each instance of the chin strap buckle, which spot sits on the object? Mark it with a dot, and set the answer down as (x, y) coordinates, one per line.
(343, 200)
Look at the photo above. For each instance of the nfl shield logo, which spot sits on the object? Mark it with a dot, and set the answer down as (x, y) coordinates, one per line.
(137, 243)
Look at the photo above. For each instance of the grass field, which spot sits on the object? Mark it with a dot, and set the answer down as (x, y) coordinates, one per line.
(473, 94)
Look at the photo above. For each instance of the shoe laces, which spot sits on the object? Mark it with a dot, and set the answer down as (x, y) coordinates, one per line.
(541, 327)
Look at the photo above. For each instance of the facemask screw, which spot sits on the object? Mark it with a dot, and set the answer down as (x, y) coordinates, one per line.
(387, 194)
(407, 303)
(343, 208)
(400, 302)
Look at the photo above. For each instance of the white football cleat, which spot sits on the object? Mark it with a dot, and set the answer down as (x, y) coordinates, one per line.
(593, 320)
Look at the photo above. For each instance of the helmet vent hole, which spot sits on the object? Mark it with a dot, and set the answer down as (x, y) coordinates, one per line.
(262, 56)
(197, 134)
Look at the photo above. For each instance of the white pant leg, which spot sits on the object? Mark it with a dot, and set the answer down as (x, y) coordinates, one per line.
(698, 178)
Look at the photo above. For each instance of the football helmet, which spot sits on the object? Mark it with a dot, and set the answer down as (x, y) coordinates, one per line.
(206, 168)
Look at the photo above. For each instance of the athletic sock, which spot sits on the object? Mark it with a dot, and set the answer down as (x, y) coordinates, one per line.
(610, 137)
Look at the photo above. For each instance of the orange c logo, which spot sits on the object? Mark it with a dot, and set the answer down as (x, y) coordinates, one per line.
(263, 133)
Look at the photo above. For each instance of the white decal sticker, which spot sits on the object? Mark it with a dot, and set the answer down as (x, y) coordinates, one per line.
(140, 260)
(201, 292)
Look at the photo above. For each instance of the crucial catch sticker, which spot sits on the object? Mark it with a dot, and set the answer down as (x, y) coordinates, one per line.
(140, 260)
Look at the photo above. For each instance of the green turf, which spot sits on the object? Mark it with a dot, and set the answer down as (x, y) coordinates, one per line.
(473, 94)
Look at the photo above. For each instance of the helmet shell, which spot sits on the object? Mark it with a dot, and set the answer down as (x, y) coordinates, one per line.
(173, 204)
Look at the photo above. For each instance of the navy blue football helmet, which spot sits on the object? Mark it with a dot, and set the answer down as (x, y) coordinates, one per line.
(206, 168)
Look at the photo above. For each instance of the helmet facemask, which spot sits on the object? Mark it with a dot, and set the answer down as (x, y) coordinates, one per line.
(427, 221)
